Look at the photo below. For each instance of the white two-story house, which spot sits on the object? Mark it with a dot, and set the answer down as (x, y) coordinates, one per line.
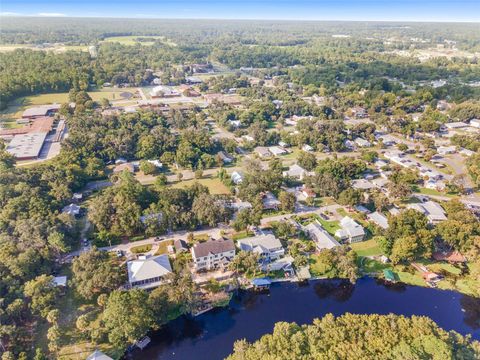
(212, 254)
(267, 246)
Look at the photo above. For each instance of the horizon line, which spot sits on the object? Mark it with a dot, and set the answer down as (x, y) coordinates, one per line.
(60, 16)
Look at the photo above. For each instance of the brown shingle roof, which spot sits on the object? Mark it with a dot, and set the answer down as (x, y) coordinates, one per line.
(213, 247)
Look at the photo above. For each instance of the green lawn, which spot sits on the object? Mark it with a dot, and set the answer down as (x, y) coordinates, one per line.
(214, 185)
(162, 247)
(141, 249)
(434, 192)
(317, 268)
(366, 248)
(241, 235)
(330, 226)
(133, 40)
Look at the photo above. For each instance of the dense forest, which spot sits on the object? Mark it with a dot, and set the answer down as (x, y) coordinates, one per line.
(359, 337)
(305, 53)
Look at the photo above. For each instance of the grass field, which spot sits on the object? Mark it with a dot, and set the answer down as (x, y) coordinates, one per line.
(133, 40)
(16, 108)
(214, 185)
(162, 247)
(59, 48)
(434, 192)
(366, 248)
(141, 249)
(330, 226)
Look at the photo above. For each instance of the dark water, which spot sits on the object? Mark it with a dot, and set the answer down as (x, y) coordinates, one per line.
(211, 335)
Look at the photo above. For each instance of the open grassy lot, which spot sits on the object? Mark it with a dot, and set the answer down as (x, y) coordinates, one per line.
(330, 226)
(366, 248)
(162, 247)
(57, 48)
(318, 268)
(134, 39)
(434, 192)
(141, 249)
(214, 185)
(16, 108)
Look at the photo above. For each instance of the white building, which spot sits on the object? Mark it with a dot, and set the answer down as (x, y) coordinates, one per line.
(322, 239)
(432, 210)
(296, 171)
(237, 178)
(307, 148)
(267, 246)
(148, 271)
(362, 142)
(270, 201)
(350, 230)
(277, 150)
(455, 125)
(71, 209)
(475, 123)
(212, 254)
(444, 150)
(378, 219)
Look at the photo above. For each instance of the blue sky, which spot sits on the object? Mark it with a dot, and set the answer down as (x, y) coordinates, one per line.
(405, 10)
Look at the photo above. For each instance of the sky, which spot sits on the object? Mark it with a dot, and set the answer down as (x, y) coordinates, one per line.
(363, 10)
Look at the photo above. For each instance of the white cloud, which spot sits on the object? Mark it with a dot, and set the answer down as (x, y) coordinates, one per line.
(7, 13)
(51, 14)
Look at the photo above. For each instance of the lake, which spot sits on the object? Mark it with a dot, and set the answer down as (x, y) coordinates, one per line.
(250, 315)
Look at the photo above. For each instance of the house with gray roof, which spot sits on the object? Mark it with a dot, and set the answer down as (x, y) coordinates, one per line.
(350, 231)
(266, 245)
(212, 254)
(432, 210)
(378, 219)
(148, 272)
(322, 239)
(98, 355)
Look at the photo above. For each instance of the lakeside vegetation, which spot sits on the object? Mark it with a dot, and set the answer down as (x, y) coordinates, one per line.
(359, 336)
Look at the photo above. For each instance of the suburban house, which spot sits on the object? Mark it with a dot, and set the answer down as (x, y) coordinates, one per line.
(350, 230)
(212, 254)
(475, 123)
(180, 246)
(263, 152)
(455, 125)
(266, 245)
(296, 171)
(444, 150)
(362, 142)
(307, 148)
(270, 201)
(378, 219)
(148, 271)
(162, 91)
(320, 236)
(308, 192)
(226, 158)
(362, 184)
(98, 355)
(432, 210)
(130, 167)
(71, 209)
(236, 177)
(277, 150)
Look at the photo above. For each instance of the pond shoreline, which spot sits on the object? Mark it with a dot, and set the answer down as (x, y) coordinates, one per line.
(251, 315)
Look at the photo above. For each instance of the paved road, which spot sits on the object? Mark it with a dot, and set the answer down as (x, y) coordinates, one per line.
(212, 232)
(323, 209)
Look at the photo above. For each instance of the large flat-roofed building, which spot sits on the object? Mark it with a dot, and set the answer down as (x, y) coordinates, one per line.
(27, 146)
(39, 111)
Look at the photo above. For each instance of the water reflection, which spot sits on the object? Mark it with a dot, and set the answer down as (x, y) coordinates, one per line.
(340, 290)
(471, 306)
